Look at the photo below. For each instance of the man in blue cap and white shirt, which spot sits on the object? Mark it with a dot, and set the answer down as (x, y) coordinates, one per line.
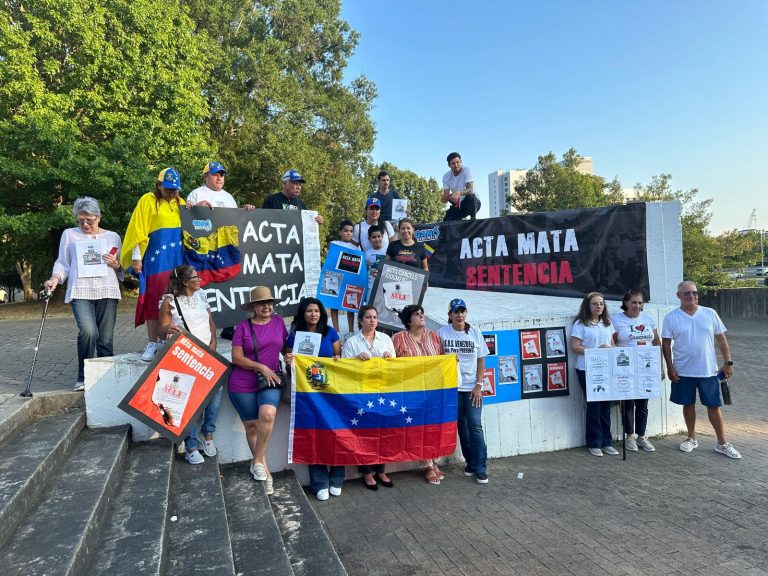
(212, 193)
(288, 198)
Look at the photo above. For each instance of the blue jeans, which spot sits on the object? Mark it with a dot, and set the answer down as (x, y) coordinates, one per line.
(471, 436)
(320, 477)
(96, 328)
(598, 419)
(209, 422)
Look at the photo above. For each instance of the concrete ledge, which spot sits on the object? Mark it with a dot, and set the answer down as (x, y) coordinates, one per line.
(16, 411)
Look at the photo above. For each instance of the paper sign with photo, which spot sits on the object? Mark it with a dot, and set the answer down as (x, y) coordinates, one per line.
(307, 343)
(89, 261)
(171, 395)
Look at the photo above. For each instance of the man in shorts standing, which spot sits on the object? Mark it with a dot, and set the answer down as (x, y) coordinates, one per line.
(694, 330)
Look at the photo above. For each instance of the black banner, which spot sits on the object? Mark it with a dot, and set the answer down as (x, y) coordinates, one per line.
(564, 253)
(234, 250)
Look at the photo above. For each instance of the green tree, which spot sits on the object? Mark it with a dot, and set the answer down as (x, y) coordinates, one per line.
(278, 100)
(739, 249)
(423, 194)
(553, 185)
(95, 98)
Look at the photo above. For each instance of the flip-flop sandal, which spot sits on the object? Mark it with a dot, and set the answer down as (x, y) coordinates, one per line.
(430, 476)
(440, 475)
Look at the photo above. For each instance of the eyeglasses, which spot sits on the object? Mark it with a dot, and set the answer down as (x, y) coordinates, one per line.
(88, 221)
(691, 293)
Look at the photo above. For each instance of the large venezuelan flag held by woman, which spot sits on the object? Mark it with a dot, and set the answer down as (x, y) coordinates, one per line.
(155, 227)
(351, 412)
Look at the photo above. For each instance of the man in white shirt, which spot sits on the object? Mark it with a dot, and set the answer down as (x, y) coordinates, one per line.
(212, 193)
(695, 330)
(458, 189)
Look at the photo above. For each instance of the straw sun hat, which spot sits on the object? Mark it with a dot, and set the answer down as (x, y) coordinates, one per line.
(258, 294)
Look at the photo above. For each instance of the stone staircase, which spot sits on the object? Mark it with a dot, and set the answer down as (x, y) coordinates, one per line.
(75, 501)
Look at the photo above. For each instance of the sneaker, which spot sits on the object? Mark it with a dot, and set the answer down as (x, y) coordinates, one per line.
(610, 450)
(689, 444)
(468, 472)
(149, 352)
(323, 494)
(194, 457)
(335, 491)
(269, 487)
(595, 451)
(630, 444)
(79, 386)
(209, 448)
(481, 477)
(728, 450)
(259, 472)
(645, 444)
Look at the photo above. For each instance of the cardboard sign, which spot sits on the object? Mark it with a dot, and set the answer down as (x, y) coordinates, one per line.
(396, 287)
(343, 279)
(173, 391)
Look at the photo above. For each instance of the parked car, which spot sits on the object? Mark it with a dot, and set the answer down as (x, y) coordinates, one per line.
(761, 271)
(735, 275)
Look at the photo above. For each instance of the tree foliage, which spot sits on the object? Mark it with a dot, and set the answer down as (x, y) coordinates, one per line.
(553, 185)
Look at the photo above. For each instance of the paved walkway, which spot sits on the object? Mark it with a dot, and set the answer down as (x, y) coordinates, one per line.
(662, 513)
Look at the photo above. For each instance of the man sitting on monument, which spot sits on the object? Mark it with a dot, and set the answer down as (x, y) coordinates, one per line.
(458, 189)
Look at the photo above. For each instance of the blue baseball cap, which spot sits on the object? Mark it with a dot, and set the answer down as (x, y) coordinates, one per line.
(170, 179)
(215, 168)
(293, 176)
(372, 201)
(457, 304)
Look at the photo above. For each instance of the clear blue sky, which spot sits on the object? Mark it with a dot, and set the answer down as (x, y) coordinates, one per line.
(642, 87)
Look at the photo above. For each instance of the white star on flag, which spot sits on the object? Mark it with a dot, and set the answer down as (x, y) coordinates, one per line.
(370, 404)
(152, 259)
(403, 410)
(360, 412)
(408, 420)
(354, 421)
(165, 247)
(173, 244)
(157, 251)
(393, 403)
(381, 401)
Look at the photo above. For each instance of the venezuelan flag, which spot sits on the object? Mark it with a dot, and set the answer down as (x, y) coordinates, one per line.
(429, 250)
(216, 257)
(365, 412)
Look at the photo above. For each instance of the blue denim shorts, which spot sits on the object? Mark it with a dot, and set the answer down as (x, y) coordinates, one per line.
(684, 391)
(247, 404)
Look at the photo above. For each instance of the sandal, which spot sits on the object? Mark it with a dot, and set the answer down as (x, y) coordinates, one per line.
(440, 475)
(430, 475)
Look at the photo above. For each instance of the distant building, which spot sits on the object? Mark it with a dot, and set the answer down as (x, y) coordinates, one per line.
(629, 195)
(501, 184)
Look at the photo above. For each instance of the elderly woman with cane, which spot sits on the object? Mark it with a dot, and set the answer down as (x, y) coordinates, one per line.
(89, 260)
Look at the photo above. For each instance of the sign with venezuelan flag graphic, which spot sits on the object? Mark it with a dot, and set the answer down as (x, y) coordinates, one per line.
(349, 412)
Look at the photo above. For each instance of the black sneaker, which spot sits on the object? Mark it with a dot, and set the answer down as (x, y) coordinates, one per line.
(481, 477)
(468, 473)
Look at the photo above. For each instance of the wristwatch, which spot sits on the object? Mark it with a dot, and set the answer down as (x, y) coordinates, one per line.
(729, 363)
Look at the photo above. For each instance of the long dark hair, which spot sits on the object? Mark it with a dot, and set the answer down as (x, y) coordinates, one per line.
(299, 322)
(159, 196)
(628, 296)
(585, 314)
(178, 276)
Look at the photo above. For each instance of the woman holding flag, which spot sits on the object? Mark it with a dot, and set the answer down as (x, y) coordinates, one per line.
(152, 248)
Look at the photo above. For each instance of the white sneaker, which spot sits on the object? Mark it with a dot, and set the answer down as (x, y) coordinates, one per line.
(728, 450)
(610, 450)
(689, 444)
(194, 457)
(79, 386)
(149, 352)
(630, 444)
(645, 444)
(595, 451)
(209, 448)
(323, 494)
(269, 487)
(335, 491)
(259, 472)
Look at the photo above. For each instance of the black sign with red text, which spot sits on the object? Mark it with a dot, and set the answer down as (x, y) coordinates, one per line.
(564, 253)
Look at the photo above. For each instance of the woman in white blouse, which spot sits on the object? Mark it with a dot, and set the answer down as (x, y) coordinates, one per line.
(186, 308)
(365, 344)
(89, 260)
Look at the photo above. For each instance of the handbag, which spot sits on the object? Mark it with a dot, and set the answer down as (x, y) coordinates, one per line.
(261, 380)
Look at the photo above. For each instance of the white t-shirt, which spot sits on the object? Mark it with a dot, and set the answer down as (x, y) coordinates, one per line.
(195, 309)
(633, 331)
(591, 336)
(693, 340)
(469, 347)
(360, 234)
(220, 199)
(458, 182)
(357, 343)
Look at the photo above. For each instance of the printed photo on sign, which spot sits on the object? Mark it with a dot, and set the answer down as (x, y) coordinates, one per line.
(307, 343)
(508, 370)
(532, 378)
(555, 343)
(349, 262)
(489, 382)
(89, 261)
(171, 395)
(556, 376)
(353, 296)
(490, 341)
(330, 284)
(399, 209)
(531, 344)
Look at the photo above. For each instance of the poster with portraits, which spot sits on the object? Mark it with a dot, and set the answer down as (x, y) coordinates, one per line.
(544, 370)
(623, 373)
(501, 381)
(343, 279)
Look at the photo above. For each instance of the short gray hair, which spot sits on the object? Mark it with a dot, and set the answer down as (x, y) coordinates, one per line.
(86, 204)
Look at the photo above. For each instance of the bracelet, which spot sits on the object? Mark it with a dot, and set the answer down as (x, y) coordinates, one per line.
(478, 383)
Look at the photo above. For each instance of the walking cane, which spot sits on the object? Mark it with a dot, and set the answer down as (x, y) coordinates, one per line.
(45, 295)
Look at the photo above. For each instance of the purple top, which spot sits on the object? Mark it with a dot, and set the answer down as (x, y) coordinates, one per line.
(270, 337)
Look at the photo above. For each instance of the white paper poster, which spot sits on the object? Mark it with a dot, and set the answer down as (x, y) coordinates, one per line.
(307, 343)
(623, 373)
(171, 395)
(399, 209)
(89, 262)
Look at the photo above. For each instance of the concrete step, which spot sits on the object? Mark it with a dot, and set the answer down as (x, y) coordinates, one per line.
(309, 548)
(60, 532)
(257, 544)
(29, 457)
(198, 542)
(16, 412)
(134, 540)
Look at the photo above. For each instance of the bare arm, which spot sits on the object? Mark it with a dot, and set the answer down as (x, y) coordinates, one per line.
(666, 351)
(477, 391)
(725, 352)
